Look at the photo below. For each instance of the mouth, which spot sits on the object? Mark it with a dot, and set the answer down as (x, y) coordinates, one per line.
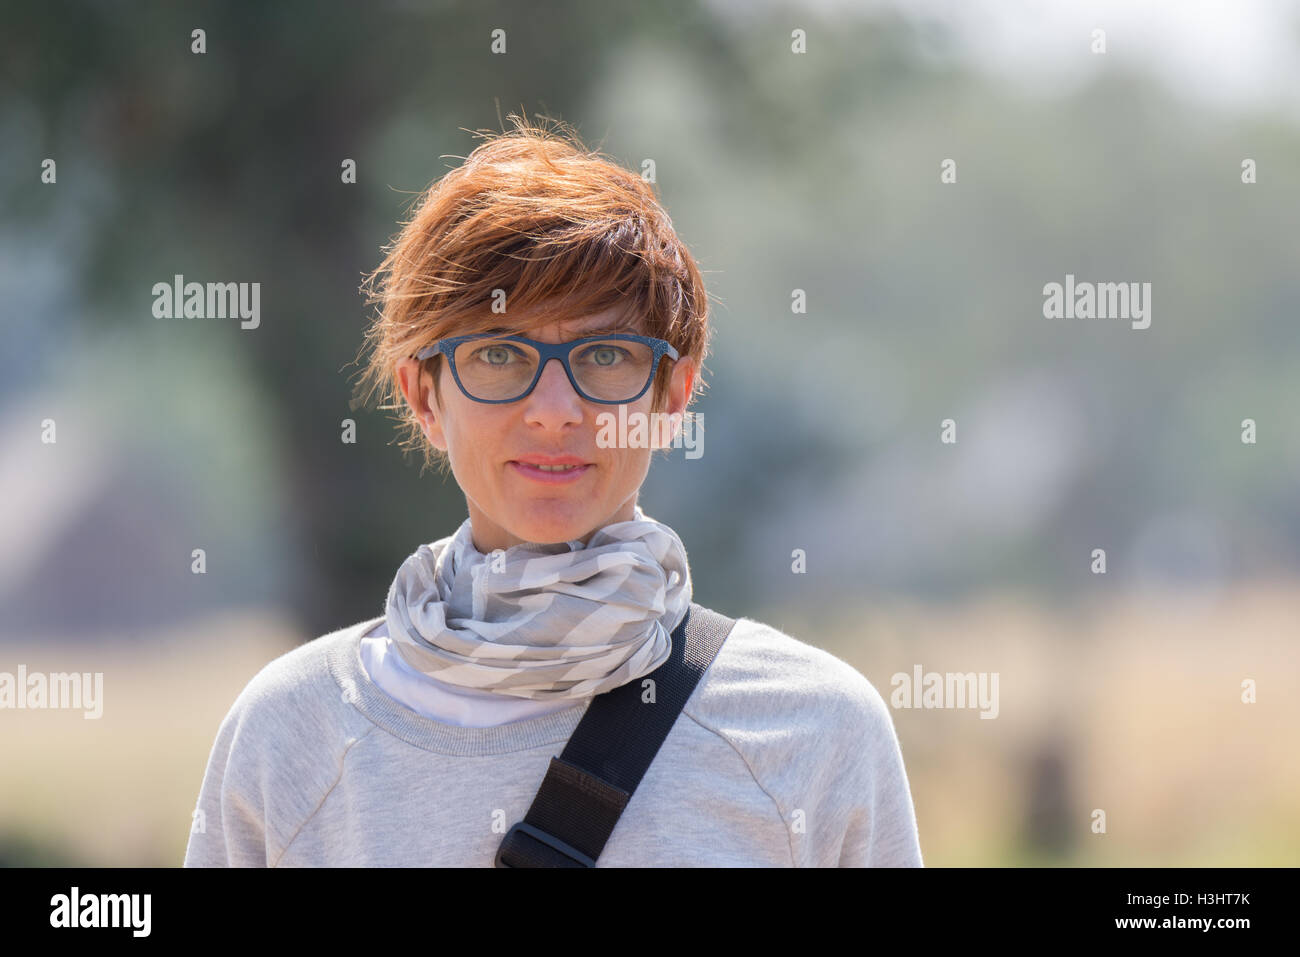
(558, 473)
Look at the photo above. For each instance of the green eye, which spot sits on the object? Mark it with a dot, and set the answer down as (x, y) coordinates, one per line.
(501, 353)
(611, 354)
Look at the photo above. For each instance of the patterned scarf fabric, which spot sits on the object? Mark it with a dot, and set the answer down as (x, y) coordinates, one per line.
(541, 621)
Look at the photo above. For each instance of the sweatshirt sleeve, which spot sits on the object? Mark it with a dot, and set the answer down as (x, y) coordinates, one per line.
(228, 827)
(881, 829)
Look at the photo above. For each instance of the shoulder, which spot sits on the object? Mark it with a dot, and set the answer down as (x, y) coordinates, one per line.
(278, 753)
(303, 678)
(293, 719)
(792, 678)
(786, 705)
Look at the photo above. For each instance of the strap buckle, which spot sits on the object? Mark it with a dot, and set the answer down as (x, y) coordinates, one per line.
(523, 832)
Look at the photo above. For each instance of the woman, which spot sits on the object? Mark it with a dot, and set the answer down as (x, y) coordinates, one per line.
(417, 738)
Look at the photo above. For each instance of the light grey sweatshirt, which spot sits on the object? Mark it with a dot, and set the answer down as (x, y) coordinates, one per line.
(784, 756)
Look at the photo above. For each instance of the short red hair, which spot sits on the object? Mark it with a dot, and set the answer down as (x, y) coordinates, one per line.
(564, 231)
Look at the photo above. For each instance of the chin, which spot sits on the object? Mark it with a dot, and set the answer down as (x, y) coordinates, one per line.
(546, 528)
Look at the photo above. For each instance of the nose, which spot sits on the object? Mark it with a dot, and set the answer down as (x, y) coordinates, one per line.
(554, 400)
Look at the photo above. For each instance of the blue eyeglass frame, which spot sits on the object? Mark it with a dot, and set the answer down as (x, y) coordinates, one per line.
(547, 351)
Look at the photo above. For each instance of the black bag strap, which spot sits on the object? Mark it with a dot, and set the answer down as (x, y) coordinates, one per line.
(587, 787)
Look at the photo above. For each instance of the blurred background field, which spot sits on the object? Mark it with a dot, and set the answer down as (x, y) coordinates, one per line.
(1131, 704)
(119, 790)
(819, 172)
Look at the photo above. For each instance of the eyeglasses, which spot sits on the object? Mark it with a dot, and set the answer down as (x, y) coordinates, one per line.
(492, 367)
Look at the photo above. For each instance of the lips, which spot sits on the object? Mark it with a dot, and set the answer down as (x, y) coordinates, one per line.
(558, 476)
(550, 460)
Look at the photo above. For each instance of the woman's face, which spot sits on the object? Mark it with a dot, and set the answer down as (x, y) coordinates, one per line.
(483, 442)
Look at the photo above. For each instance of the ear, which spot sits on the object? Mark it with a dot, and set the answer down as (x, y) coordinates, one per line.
(679, 387)
(679, 392)
(417, 390)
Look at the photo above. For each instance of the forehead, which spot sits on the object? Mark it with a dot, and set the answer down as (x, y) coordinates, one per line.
(614, 319)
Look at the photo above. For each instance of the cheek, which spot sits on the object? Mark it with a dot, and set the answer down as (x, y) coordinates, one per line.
(632, 464)
(454, 431)
(479, 434)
